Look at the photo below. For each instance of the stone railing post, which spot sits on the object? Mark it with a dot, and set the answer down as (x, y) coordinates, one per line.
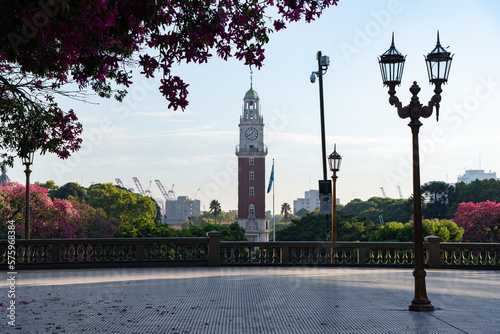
(213, 258)
(284, 255)
(139, 252)
(434, 251)
(361, 255)
(56, 253)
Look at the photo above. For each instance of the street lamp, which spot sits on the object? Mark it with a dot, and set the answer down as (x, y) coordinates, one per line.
(334, 161)
(27, 161)
(438, 67)
(324, 185)
(323, 63)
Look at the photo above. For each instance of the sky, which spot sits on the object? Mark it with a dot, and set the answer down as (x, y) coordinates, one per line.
(195, 149)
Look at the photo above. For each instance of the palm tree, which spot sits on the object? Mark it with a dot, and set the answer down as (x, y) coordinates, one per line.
(215, 208)
(285, 209)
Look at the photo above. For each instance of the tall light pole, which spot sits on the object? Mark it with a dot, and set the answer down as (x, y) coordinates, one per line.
(323, 63)
(27, 161)
(334, 160)
(438, 67)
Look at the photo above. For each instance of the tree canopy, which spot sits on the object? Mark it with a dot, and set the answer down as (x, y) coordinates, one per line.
(51, 47)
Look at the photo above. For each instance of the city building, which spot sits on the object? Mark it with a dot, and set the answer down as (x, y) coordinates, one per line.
(251, 153)
(476, 174)
(178, 211)
(310, 201)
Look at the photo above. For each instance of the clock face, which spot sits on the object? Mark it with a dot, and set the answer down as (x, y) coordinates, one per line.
(251, 133)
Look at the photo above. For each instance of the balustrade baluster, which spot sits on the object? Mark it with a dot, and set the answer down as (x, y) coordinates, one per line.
(232, 255)
(224, 255)
(379, 256)
(36, 253)
(488, 257)
(241, 250)
(388, 259)
(462, 256)
(372, 258)
(343, 256)
(335, 255)
(176, 252)
(294, 254)
(479, 257)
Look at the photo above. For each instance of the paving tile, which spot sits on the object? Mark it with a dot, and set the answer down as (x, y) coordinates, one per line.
(251, 300)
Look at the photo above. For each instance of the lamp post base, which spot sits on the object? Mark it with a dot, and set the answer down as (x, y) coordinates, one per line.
(421, 306)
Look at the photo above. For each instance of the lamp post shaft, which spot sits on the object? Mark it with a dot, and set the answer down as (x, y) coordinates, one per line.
(334, 207)
(322, 114)
(27, 222)
(420, 301)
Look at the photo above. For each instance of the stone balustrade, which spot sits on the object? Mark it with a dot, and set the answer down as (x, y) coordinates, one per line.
(211, 251)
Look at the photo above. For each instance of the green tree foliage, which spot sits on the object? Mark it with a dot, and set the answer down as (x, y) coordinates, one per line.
(395, 231)
(438, 195)
(49, 185)
(207, 218)
(389, 208)
(285, 211)
(233, 232)
(215, 208)
(311, 227)
(302, 212)
(70, 190)
(122, 204)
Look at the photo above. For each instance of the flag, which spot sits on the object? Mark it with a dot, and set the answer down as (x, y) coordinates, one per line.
(271, 179)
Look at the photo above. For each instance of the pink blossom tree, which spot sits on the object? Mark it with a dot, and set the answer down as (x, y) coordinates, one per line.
(47, 44)
(56, 218)
(480, 221)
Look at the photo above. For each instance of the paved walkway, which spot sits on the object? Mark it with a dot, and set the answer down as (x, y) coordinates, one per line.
(250, 300)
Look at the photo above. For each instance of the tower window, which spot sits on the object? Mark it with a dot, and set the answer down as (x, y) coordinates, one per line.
(251, 210)
(250, 161)
(251, 191)
(251, 175)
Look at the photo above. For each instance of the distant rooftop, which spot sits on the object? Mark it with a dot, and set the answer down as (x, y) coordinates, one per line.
(476, 174)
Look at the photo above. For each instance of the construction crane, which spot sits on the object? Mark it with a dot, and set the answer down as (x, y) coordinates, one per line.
(400, 193)
(170, 195)
(196, 196)
(383, 192)
(138, 185)
(148, 192)
(120, 183)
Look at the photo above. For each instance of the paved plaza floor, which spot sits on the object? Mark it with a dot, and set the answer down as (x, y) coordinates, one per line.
(250, 300)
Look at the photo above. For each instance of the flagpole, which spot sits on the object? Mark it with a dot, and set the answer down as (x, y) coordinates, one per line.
(274, 215)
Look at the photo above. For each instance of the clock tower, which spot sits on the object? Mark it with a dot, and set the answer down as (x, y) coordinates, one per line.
(251, 154)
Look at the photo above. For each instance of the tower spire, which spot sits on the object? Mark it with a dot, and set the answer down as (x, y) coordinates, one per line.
(251, 78)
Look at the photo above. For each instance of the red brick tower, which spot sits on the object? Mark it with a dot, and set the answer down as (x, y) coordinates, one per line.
(251, 154)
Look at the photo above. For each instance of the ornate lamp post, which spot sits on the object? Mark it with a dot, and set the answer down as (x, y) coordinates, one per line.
(438, 68)
(324, 185)
(27, 161)
(334, 161)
